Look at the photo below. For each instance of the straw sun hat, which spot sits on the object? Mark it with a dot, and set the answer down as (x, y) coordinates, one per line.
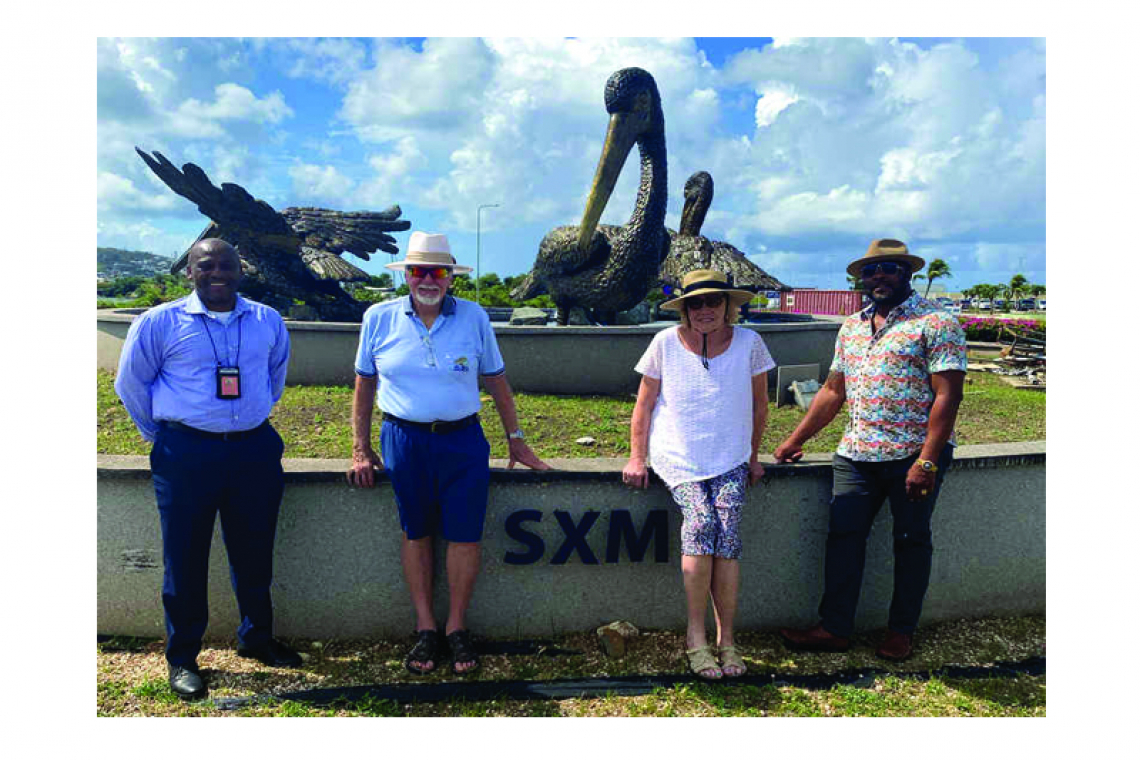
(885, 249)
(428, 249)
(702, 281)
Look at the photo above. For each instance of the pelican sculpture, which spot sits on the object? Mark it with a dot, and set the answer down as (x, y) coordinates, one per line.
(606, 268)
(287, 256)
(689, 249)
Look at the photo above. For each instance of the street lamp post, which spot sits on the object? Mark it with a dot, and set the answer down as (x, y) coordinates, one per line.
(479, 243)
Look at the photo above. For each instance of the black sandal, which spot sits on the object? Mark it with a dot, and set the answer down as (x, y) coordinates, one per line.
(462, 650)
(426, 649)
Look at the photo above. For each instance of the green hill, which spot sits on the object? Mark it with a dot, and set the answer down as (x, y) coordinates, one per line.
(113, 263)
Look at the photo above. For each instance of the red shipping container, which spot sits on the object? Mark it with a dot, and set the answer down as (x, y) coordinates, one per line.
(840, 302)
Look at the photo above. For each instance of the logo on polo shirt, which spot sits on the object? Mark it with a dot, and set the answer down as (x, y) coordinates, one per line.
(460, 365)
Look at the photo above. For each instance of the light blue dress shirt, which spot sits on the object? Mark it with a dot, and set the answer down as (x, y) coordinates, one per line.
(168, 369)
(428, 375)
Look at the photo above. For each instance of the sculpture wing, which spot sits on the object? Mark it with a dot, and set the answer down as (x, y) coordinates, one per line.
(731, 260)
(360, 233)
(330, 266)
(230, 207)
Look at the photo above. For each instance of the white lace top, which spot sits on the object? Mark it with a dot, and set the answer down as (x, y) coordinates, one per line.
(702, 422)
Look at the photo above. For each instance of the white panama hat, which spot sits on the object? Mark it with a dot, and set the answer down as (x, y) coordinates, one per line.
(428, 249)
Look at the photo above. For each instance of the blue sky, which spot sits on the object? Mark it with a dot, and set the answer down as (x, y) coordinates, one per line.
(816, 145)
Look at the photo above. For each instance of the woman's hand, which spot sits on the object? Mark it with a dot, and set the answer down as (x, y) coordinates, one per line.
(755, 472)
(635, 473)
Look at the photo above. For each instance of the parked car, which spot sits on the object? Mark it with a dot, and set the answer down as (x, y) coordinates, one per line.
(1041, 304)
(954, 309)
(1027, 304)
(966, 303)
(999, 304)
(984, 303)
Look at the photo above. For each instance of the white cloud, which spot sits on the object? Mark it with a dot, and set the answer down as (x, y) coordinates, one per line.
(337, 61)
(771, 104)
(197, 120)
(115, 193)
(319, 184)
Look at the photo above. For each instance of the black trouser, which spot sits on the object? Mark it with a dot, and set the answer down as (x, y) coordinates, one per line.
(858, 492)
(195, 479)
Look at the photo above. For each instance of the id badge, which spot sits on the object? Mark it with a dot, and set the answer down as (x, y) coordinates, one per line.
(229, 382)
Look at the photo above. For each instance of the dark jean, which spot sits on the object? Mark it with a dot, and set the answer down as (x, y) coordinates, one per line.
(857, 494)
(195, 480)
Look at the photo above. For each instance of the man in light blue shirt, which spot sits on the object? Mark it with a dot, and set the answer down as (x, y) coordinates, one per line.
(199, 377)
(420, 358)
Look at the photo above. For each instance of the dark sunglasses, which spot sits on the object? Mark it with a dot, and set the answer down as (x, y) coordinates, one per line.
(887, 268)
(437, 272)
(712, 300)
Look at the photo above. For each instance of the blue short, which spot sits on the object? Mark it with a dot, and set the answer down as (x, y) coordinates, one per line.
(440, 479)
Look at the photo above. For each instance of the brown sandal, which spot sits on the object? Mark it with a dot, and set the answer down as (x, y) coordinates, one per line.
(701, 660)
(730, 658)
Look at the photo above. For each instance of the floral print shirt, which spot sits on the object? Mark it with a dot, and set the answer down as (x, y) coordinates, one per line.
(888, 376)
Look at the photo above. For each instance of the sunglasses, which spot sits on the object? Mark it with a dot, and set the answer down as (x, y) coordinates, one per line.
(886, 267)
(712, 300)
(437, 272)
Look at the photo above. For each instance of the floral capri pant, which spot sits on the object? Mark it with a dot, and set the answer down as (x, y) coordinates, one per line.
(711, 514)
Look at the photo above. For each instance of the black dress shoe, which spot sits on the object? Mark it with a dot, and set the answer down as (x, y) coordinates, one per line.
(274, 654)
(185, 682)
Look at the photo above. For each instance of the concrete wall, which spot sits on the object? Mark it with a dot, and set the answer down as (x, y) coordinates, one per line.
(338, 573)
(540, 359)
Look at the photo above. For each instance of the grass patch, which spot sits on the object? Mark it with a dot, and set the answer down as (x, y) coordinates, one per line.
(133, 681)
(315, 421)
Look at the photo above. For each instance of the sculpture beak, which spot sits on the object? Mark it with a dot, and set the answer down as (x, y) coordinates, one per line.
(688, 215)
(620, 138)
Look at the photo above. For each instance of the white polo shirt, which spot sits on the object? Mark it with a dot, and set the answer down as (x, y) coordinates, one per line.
(428, 375)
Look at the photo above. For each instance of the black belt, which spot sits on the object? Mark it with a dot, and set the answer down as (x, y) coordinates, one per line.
(234, 436)
(439, 426)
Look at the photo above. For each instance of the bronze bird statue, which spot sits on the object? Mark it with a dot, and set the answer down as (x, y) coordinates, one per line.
(689, 249)
(607, 268)
(287, 256)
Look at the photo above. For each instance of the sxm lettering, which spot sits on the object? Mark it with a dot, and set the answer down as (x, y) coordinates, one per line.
(621, 530)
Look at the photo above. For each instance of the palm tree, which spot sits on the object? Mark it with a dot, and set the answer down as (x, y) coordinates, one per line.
(1016, 288)
(986, 292)
(937, 269)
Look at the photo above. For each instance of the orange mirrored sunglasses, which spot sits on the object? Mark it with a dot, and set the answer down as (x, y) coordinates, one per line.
(438, 272)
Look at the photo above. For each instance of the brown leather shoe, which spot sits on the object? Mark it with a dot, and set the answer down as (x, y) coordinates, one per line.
(896, 646)
(815, 639)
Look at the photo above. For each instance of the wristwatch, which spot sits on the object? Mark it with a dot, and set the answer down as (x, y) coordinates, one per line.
(517, 434)
(926, 465)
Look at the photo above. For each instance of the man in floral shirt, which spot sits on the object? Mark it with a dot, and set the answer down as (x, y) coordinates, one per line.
(899, 364)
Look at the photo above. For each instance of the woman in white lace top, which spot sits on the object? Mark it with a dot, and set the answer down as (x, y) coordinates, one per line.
(700, 414)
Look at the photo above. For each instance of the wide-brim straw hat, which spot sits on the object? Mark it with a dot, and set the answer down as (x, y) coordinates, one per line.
(428, 249)
(702, 281)
(886, 249)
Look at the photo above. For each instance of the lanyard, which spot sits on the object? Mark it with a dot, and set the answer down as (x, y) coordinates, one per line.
(206, 325)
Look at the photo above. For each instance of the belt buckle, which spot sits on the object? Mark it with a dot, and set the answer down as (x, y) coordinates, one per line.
(433, 424)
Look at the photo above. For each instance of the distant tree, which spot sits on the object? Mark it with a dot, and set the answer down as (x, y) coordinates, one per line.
(854, 282)
(380, 281)
(1015, 289)
(987, 292)
(937, 269)
(1036, 290)
(121, 287)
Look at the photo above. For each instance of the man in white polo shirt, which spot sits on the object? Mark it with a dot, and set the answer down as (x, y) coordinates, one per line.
(430, 349)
